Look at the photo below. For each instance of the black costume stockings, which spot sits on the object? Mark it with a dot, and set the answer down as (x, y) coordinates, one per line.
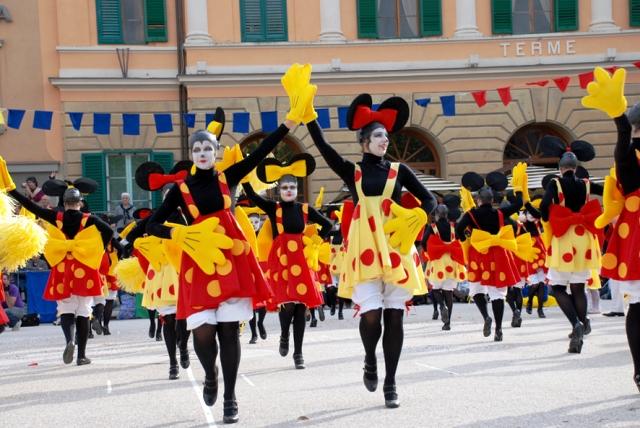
(392, 340)
(574, 306)
(497, 306)
(444, 297)
(67, 322)
(182, 335)
(296, 312)
(514, 298)
(170, 334)
(82, 327)
(537, 289)
(633, 335)
(108, 310)
(261, 312)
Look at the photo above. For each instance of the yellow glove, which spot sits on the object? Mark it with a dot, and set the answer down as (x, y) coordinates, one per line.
(606, 93)
(525, 189)
(152, 249)
(296, 84)
(312, 251)
(202, 244)
(405, 226)
(6, 182)
(309, 112)
(467, 201)
(518, 177)
(613, 200)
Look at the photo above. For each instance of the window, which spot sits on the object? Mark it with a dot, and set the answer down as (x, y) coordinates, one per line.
(264, 20)
(634, 13)
(534, 16)
(385, 19)
(525, 145)
(407, 146)
(131, 21)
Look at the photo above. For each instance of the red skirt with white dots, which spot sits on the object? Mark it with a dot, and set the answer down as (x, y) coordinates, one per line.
(621, 262)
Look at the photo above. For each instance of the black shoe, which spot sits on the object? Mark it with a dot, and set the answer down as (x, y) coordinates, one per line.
(313, 323)
(298, 361)
(447, 326)
(636, 380)
(498, 336)
(284, 346)
(3, 327)
(152, 330)
(254, 339)
(210, 389)
(370, 377)
(435, 315)
(541, 314)
(159, 335)
(321, 313)
(445, 315)
(230, 409)
(340, 316)
(487, 327)
(174, 372)
(184, 359)
(83, 361)
(575, 345)
(105, 330)
(332, 312)
(391, 397)
(587, 326)
(530, 306)
(613, 314)
(67, 355)
(263, 331)
(90, 336)
(516, 321)
(95, 324)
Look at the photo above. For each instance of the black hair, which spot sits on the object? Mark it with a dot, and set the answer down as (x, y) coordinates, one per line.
(33, 179)
(363, 134)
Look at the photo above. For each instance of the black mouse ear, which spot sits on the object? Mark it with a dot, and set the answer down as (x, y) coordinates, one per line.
(86, 185)
(581, 172)
(54, 187)
(552, 146)
(454, 214)
(498, 197)
(497, 181)
(547, 179)
(472, 181)
(584, 151)
(143, 173)
(451, 201)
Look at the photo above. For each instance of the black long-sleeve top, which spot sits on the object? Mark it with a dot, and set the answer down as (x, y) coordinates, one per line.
(574, 190)
(444, 230)
(292, 216)
(336, 237)
(532, 226)
(70, 219)
(115, 244)
(488, 218)
(205, 189)
(627, 167)
(375, 171)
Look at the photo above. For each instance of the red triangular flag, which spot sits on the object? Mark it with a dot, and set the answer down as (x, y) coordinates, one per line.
(562, 82)
(612, 69)
(637, 64)
(505, 95)
(480, 97)
(585, 79)
(542, 83)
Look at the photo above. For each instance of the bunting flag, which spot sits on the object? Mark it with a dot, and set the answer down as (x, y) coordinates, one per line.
(480, 97)
(448, 105)
(375, 107)
(423, 102)
(585, 79)
(505, 95)
(637, 64)
(241, 122)
(190, 120)
(15, 118)
(323, 118)
(269, 121)
(612, 69)
(542, 83)
(76, 119)
(102, 123)
(562, 82)
(342, 117)
(42, 119)
(163, 123)
(131, 124)
(2, 122)
(208, 118)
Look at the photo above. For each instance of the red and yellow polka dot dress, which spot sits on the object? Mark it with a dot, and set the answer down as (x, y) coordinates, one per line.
(577, 249)
(444, 266)
(338, 253)
(70, 276)
(369, 255)
(240, 276)
(110, 278)
(289, 275)
(622, 260)
(161, 288)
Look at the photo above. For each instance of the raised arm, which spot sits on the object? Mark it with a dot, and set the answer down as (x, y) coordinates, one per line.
(514, 207)
(344, 168)
(316, 217)
(266, 205)
(535, 213)
(623, 145)
(408, 179)
(44, 213)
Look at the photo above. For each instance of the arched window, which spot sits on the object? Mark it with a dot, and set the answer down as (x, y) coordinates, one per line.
(524, 144)
(283, 152)
(409, 147)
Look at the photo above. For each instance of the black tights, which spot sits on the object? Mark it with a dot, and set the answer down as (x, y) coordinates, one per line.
(537, 289)
(152, 322)
(514, 298)
(204, 343)
(497, 306)
(633, 335)
(108, 310)
(68, 324)
(82, 327)
(182, 335)
(261, 312)
(296, 312)
(392, 339)
(98, 311)
(574, 306)
(444, 297)
(170, 341)
(332, 296)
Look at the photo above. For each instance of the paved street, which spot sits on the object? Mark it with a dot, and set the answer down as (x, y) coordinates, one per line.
(445, 379)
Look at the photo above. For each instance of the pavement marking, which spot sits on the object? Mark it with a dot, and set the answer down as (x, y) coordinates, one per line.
(247, 379)
(108, 386)
(435, 368)
(207, 410)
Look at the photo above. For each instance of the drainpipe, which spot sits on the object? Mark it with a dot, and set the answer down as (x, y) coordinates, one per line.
(182, 90)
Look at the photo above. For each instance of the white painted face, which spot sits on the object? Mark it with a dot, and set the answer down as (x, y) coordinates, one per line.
(288, 191)
(378, 142)
(530, 217)
(522, 217)
(203, 154)
(255, 222)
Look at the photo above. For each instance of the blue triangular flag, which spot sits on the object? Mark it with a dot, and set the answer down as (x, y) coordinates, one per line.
(342, 117)
(208, 118)
(269, 121)
(190, 120)
(375, 107)
(422, 102)
(15, 118)
(448, 105)
(163, 123)
(323, 118)
(131, 124)
(42, 119)
(76, 119)
(102, 123)
(241, 123)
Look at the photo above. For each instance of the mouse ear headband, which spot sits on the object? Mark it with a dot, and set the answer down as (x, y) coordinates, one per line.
(271, 170)
(151, 176)
(58, 187)
(392, 114)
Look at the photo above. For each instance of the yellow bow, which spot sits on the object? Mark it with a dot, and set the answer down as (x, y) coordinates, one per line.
(482, 241)
(275, 172)
(526, 251)
(251, 210)
(312, 251)
(86, 247)
(152, 249)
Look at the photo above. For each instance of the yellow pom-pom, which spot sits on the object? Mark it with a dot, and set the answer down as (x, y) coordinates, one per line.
(130, 275)
(20, 239)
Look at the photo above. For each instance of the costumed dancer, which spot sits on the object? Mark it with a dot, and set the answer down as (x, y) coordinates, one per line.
(574, 251)
(292, 280)
(338, 251)
(514, 294)
(74, 278)
(537, 269)
(492, 242)
(219, 273)
(445, 256)
(622, 199)
(382, 269)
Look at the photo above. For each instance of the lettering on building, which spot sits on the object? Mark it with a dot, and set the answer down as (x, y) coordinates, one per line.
(4, 14)
(539, 48)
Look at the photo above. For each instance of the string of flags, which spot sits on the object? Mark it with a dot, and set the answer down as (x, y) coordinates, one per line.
(241, 120)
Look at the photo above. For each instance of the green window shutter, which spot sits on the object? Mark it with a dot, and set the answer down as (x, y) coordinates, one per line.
(155, 20)
(368, 19)
(109, 16)
(275, 20)
(431, 17)
(634, 13)
(501, 17)
(566, 15)
(93, 166)
(166, 160)
(251, 21)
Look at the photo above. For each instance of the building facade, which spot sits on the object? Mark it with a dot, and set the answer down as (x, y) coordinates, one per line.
(191, 56)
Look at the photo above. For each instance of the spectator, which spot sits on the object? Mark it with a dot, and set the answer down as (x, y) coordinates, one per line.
(17, 209)
(36, 263)
(126, 210)
(45, 201)
(13, 306)
(31, 189)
